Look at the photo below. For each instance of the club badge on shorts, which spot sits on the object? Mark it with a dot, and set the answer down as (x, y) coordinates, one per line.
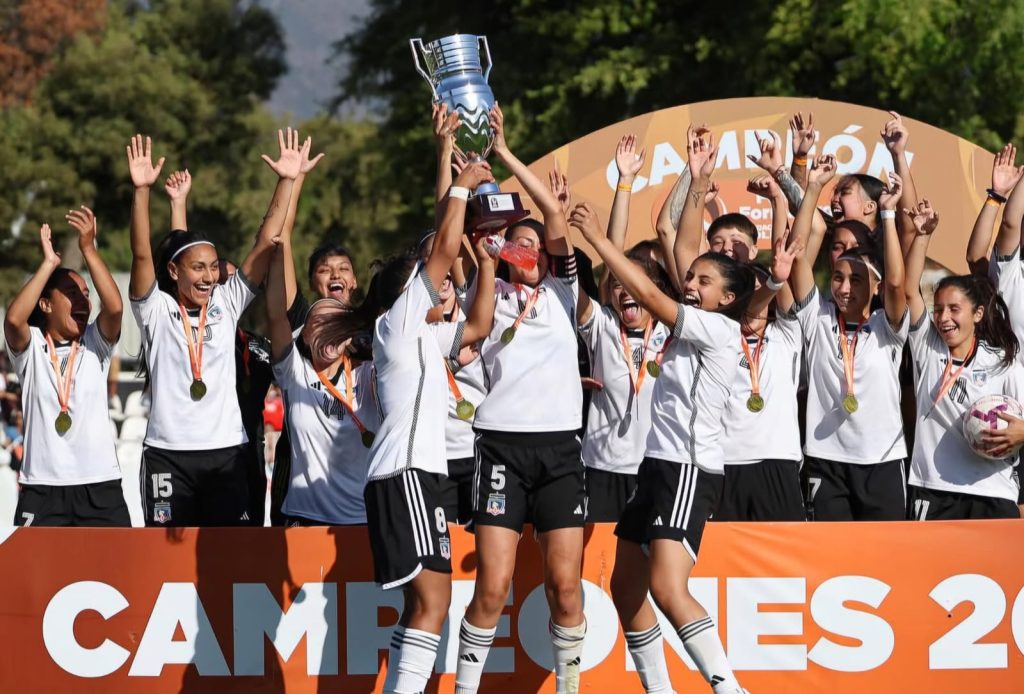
(496, 504)
(446, 547)
(161, 512)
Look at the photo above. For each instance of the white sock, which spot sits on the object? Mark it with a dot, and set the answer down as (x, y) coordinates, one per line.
(394, 654)
(648, 651)
(415, 664)
(474, 645)
(567, 643)
(700, 639)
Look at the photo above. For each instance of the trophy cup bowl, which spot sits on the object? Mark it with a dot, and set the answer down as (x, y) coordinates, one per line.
(454, 70)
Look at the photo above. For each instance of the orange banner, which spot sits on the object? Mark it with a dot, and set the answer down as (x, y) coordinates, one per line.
(952, 172)
(843, 608)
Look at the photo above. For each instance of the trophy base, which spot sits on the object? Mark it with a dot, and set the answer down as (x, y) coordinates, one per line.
(495, 211)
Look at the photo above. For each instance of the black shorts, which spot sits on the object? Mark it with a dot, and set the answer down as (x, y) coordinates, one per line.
(195, 488)
(764, 491)
(280, 478)
(529, 477)
(457, 490)
(96, 505)
(673, 501)
(607, 494)
(835, 491)
(934, 504)
(408, 528)
(256, 481)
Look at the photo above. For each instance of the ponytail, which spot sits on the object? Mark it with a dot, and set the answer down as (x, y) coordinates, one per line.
(994, 327)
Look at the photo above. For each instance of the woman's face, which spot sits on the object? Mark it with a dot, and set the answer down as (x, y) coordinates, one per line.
(528, 238)
(67, 307)
(334, 278)
(842, 241)
(849, 201)
(631, 314)
(195, 272)
(955, 317)
(705, 288)
(853, 285)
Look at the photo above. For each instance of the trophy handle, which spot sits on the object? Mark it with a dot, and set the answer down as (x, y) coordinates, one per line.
(417, 49)
(487, 52)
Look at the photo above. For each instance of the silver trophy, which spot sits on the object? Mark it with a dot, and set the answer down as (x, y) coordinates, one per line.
(452, 67)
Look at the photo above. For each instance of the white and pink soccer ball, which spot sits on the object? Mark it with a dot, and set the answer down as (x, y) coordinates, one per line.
(984, 415)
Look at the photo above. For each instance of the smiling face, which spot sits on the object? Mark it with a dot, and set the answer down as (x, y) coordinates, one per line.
(67, 307)
(631, 314)
(195, 272)
(955, 316)
(528, 238)
(853, 285)
(334, 278)
(734, 243)
(705, 287)
(849, 201)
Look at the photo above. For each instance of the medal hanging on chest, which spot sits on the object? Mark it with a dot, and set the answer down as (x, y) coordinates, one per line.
(509, 334)
(65, 382)
(636, 376)
(848, 350)
(464, 409)
(366, 436)
(755, 403)
(194, 342)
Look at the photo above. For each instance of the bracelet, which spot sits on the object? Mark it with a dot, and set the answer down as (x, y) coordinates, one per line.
(459, 193)
(996, 196)
(773, 285)
(887, 214)
(800, 161)
(993, 202)
(625, 187)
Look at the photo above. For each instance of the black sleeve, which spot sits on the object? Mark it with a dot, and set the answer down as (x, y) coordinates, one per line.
(298, 311)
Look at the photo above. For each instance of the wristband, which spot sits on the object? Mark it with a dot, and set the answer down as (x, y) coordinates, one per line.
(993, 202)
(625, 187)
(887, 214)
(800, 161)
(773, 285)
(459, 193)
(996, 196)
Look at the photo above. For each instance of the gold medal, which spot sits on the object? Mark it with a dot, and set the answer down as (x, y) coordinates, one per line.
(850, 403)
(197, 390)
(755, 403)
(654, 369)
(465, 410)
(367, 438)
(63, 423)
(508, 335)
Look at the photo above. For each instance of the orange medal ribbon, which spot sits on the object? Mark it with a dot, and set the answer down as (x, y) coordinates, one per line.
(195, 351)
(509, 333)
(635, 380)
(849, 352)
(949, 376)
(65, 382)
(755, 403)
(366, 436)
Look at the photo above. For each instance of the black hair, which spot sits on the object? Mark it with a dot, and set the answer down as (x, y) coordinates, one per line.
(37, 319)
(739, 279)
(994, 327)
(649, 246)
(734, 220)
(531, 223)
(327, 249)
(167, 250)
(655, 272)
(871, 186)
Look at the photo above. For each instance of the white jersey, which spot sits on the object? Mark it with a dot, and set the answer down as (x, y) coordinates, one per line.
(411, 385)
(774, 432)
(1009, 279)
(942, 459)
(533, 383)
(176, 421)
(619, 419)
(85, 454)
(874, 433)
(689, 397)
(329, 461)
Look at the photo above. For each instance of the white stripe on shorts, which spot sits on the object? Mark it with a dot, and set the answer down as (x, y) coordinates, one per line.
(411, 505)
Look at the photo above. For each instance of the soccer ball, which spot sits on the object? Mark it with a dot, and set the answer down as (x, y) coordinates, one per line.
(984, 415)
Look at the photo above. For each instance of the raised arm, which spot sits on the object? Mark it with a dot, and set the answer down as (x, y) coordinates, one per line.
(801, 279)
(771, 160)
(556, 229)
(111, 307)
(287, 167)
(783, 256)
(16, 328)
(143, 174)
(629, 162)
(701, 152)
(1004, 179)
(895, 136)
(277, 303)
(291, 287)
(481, 314)
(177, 186)
(449, 232)
(1005, 184)
(895, 295)
(765, 186)
(803, 141)
(925, 219)
(823, 171)
(663, 307)
(668, 220)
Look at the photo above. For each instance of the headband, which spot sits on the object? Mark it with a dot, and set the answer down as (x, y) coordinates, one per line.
(189, 245)
(857, 259)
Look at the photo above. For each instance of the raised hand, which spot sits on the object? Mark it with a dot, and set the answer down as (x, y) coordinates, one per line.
(497, 121)
(700, 146)
(445, 126)
(50, 256)
(895, 134)
(289, 163)
(140, 162)
(559, 185)
(585, 219)
(924, 217)
(178, 185)
(1004, 174)
(783, 257)
(474, 174)
(765, 186)
(628, 161)
(308, 164)
(803, 133)
(823, 171)
(771, 152)
(459, 162)
(711, 193)
(84, 222)
(891, 193)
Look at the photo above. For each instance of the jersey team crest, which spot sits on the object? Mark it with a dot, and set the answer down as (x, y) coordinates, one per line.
(161, 512)
(446, 547)
(496, 504)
